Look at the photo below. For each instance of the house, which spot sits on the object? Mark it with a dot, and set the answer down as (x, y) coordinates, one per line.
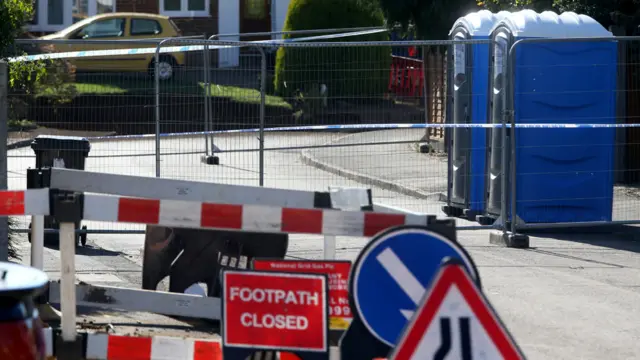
(193, 17)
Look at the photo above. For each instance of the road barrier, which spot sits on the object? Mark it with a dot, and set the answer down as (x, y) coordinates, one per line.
(24, 202)
(76, 195)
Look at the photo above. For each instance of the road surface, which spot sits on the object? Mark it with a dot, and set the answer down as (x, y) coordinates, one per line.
(572, 296)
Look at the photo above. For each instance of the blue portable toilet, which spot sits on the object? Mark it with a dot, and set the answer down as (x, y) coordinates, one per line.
(467, 104)
(562, 174)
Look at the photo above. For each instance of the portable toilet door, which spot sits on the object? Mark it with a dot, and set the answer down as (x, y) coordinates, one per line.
(467, 104)
(496, 112)
(561, 174)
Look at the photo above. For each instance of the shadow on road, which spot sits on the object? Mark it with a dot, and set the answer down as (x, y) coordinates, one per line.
(618, 237)
(87, 250)
(111, 320)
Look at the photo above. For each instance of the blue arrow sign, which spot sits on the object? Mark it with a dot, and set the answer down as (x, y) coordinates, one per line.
(392, 274)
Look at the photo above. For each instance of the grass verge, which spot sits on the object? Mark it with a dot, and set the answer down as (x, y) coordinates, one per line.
(146, 87)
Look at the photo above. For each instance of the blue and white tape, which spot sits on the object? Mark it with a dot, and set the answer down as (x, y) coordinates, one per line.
(174, 49)
(369, 127)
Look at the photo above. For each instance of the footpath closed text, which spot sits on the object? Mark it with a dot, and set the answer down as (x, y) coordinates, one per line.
(275, 310)
(274, 297)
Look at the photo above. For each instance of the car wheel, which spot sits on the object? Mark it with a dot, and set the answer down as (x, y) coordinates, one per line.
(166, 68)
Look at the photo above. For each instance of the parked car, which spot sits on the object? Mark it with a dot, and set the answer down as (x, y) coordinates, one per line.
(20, 325)
(121, 26)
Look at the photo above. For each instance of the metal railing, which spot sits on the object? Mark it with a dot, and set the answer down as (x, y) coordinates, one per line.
(331, 117)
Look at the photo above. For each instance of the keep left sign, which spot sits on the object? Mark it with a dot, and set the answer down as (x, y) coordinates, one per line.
(275, 311)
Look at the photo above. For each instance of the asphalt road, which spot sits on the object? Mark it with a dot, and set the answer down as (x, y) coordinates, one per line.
(571, 296)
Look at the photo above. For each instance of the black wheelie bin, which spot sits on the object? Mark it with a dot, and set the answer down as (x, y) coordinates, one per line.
(67, 152)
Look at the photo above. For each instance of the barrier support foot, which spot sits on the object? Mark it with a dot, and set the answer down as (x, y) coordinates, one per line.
(485, 220)
(452, 211)
(509, 239)
(70, 350)
(210, 159)
(471, 215)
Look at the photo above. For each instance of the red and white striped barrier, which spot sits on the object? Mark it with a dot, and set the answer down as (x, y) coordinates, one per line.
(112, 347)
(118, 347)
(191, 214)
(269, 210)
(24, 202)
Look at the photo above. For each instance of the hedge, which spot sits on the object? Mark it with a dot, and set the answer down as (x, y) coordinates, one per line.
(347, 71)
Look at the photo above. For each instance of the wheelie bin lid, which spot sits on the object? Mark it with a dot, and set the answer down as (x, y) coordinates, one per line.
(19, 281)
(51, 142)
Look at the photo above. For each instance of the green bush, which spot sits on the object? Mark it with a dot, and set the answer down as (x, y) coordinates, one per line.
(26, 79)
(347, 71)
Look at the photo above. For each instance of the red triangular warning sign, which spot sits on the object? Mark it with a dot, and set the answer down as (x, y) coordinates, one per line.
(455, 321)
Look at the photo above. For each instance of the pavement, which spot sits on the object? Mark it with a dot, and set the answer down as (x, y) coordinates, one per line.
(396, 166)
(571, 295)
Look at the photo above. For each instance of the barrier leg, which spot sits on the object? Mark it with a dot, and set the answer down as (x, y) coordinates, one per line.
(329, 247)
(37, 242)
(47, 313)
(67, 280)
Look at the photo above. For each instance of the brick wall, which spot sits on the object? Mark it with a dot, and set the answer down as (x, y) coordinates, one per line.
(189, 26)
(197, 26)
(200, 25)
(143, 6)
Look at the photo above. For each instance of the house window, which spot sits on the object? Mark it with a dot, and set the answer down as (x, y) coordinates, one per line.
(145, 27)
(55, 12)
(104, 6)
(80, 10)
(185, 8)
(83, 9)
(55, 15)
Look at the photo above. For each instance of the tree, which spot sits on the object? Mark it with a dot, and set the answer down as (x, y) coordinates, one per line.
(13, 15)
(513, 5)
(431, 19)
(606, 12)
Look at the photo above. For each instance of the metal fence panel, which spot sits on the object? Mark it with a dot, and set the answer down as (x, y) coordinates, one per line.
(567, 171)
(343, 113)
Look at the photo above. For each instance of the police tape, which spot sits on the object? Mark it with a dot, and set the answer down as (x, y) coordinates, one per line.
(187, 48)
(356, 127)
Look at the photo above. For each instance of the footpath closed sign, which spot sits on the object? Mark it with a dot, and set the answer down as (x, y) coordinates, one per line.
(337, 272)
(275, 311)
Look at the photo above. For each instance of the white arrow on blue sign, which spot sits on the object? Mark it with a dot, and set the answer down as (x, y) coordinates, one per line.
(393, 273)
